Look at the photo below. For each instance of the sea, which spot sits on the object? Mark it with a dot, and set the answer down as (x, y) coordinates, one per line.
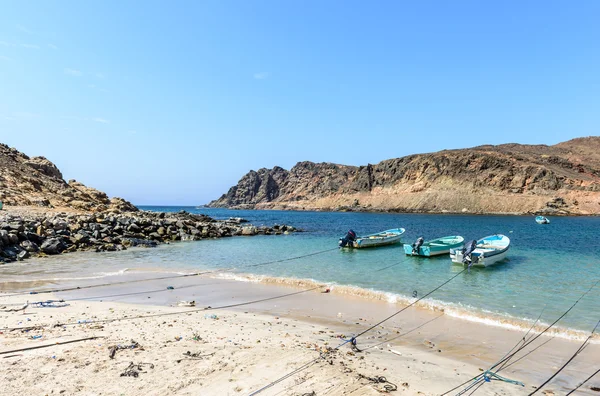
(547, 269)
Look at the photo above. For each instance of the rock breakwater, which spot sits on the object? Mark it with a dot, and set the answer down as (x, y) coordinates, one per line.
(25, 235)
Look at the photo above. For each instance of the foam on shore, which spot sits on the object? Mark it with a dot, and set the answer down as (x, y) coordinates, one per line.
(460, 311)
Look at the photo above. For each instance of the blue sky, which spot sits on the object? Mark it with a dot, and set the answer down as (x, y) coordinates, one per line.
(172, 102)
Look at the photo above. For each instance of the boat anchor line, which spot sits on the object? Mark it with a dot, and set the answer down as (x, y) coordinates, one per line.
(579, 350)
(170, 277)
(353, 339)
(209, 308)
(511, 354)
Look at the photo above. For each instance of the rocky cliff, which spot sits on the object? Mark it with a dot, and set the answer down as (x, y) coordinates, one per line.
(509, 178)
(36, 181)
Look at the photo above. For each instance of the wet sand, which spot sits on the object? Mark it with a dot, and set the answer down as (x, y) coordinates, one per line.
(246, 347)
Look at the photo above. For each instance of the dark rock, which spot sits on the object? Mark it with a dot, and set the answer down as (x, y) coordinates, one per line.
(134, 228)
(10, 252)
(53, 246)
(82, 237)
(30, 246)
(138, 242)
(13, 239)
(17, 227)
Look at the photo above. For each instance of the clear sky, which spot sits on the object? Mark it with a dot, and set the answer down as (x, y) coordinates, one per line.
(172, 102)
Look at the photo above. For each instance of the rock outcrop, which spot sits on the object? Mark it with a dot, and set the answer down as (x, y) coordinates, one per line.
(25, 235)
(36, 181)
(508, 179)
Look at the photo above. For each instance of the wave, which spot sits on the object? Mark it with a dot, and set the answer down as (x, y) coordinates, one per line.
(98, 275)
(455, 310)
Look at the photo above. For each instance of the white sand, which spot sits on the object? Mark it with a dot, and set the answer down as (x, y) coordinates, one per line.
(248, 347)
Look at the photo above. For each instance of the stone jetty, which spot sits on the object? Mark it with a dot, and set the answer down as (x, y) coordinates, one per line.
(25, 235)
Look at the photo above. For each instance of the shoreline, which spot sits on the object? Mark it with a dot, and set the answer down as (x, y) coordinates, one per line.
(465, 346)
(146, 276)
(284, 208)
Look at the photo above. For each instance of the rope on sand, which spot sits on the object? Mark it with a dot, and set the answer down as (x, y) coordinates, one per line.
(577, 352)
(209, 308)
(509, 355)
(49, 345)
(353, 339)
(584, 381)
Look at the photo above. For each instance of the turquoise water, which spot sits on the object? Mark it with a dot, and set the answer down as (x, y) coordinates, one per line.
(547, 269)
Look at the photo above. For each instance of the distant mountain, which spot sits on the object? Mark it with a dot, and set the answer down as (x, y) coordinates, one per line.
(36, 181)
(508, 179)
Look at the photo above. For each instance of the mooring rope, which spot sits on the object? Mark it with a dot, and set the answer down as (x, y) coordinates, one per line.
(577, 352)
(529, 341)
(352, 340)
(166, 313)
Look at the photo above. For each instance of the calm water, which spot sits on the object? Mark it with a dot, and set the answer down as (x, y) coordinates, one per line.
(548, 267)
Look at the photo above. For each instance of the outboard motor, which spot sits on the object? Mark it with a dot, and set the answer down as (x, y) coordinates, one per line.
(417, 245)
(348, 239)
(467, 250)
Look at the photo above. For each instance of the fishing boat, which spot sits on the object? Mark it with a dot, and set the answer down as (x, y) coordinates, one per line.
(434, 247)
(542, 220)
(387, 237)
(482, 253)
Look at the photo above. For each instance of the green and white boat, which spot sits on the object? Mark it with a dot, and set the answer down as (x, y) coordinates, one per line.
(434, 247)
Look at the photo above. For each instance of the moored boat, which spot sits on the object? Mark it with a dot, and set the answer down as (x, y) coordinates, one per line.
(434, 247)
(387, 237)
(542, 220)
(482, 253)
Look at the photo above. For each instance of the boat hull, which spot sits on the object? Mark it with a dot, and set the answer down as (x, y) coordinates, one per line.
(362, 243)
(435, 247)
(388, 237)
(489, 251)
(479, 260)
(428, 251)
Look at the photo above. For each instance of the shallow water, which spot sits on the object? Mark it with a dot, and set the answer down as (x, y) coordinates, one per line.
(547, 269)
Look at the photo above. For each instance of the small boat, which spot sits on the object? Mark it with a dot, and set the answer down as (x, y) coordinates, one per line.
(434, 247)
(483, 253)
(542, 220)
(383, 238)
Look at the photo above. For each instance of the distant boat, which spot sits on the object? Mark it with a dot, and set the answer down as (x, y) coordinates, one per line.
(542, 220)
(483, 253)
(434, 247)
(383, 238)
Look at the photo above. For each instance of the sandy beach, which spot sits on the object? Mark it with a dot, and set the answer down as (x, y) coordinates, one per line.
(239, 350)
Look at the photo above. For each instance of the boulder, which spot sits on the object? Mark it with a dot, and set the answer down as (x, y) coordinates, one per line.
(248, 231)
(82, 237)
(13, 239)
(133, 227)
(53, 246)
(30, 246)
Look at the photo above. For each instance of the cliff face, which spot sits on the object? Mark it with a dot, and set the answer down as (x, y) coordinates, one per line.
(509, 178)
(36, 181)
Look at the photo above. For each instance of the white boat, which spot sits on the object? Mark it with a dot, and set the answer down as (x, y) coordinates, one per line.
(387, 237)
(542, 220)
(484, 253)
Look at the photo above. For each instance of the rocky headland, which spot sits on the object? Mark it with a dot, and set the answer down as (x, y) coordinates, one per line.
(37, 182)
(43, 214)
(563, 179)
